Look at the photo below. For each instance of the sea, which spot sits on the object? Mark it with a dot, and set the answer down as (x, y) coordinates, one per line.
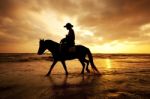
(106, 63)
(123, 76)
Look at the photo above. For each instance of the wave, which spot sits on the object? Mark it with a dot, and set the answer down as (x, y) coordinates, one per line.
(28, 57)
(126, 72)
(122, 56)
(25, 57)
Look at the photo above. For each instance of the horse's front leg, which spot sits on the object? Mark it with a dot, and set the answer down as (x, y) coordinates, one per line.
(83, 65)
(53, 64)
(65, 68)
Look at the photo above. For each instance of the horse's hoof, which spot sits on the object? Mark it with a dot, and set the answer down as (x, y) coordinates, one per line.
(46, 75)
(88, 71)
(99, 74)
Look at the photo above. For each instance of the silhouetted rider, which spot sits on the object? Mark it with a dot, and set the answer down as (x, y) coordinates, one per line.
(69, 40)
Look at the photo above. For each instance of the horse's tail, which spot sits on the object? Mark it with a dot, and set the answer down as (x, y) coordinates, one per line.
(91, 61)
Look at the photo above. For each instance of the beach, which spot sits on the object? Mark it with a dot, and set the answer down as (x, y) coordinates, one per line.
(124, 76)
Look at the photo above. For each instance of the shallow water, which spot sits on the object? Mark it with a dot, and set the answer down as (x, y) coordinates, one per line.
(123, 77)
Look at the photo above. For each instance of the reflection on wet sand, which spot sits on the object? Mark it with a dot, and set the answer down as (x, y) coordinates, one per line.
(74, 86)
(108, 63)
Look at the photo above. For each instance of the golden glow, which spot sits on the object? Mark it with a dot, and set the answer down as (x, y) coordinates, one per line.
(101, 26)
(112, 47)
(108, 63)
(145, 27)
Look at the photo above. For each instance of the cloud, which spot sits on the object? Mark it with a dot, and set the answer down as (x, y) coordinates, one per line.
(117, 19)
(107, 20)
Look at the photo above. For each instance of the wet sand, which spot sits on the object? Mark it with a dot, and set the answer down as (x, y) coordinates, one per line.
(121, 79)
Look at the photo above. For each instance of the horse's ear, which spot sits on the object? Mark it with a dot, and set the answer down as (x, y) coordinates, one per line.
(41, 39)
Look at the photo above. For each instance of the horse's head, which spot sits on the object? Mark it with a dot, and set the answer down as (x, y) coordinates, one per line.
(42, 47)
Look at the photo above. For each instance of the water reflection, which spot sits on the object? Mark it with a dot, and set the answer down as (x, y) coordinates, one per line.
(108, 63)
(76, 86)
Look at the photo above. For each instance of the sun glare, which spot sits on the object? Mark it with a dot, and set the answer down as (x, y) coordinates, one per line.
(108, 63)
(109, 48)
(49, 25)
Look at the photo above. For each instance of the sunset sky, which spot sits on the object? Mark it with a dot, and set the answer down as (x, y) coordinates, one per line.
(105, 26)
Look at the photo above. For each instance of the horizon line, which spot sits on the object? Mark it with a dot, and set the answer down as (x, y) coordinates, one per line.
(50, 53)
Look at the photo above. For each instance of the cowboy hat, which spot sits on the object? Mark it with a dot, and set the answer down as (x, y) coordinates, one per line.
(68, 25)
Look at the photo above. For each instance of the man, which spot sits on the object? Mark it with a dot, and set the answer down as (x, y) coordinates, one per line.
(69, 40)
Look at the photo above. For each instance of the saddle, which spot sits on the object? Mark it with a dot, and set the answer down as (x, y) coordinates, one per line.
(72, 49)
(64, 49)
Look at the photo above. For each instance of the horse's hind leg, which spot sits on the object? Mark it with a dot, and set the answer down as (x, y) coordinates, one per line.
(87, 62)
(83, 65)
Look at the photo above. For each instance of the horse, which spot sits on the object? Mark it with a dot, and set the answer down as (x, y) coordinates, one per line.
(79, 53)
